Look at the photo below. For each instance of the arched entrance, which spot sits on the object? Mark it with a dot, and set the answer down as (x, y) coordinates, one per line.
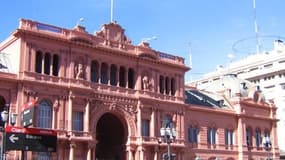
(111, 135)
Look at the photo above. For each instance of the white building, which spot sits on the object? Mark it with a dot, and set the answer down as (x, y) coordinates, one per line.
(267, 71)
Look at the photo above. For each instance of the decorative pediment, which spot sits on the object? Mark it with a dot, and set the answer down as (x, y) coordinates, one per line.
(144, 51)
(113, 32)
(78, 34)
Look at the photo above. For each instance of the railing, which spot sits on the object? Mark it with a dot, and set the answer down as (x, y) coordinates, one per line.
(78, 83)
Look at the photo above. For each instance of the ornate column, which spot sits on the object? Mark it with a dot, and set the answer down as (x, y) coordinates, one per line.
(91, 147)
(178, 125)
(138, 82)
(109, 74)
(158, 122)
(129, 153)
(126, 78)
(274, 139)
(156, 153)
(51, 65)
(88, 70)
(99, 72)
(71, 150)
(43, 62)
(118, 76)
(69, 112)
(176, 86)
(152, 122)
(157, 83)
(182, 126)
(54, 113)
(139, 119)
(86, 115)
(241, 138)
(32, 59)
(140, 153)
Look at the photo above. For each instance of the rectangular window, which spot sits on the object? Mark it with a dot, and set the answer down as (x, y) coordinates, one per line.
(193, 134)
(229, 137)
(77, 121)
(211, 135)
(145, 128)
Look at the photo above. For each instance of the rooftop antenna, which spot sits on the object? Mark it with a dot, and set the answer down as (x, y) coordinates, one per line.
(190, 55)
(112, 7)
(190, 59)
(256, 29)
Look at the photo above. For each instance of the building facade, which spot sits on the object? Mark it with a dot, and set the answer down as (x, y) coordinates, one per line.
(108, 99)
(266, 70)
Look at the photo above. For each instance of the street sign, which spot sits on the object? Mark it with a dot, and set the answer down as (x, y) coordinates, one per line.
(30, 139)
(14, 141)
(27, 114)
(40, 140)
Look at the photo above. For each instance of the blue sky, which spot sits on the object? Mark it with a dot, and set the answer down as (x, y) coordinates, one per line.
(208, 28)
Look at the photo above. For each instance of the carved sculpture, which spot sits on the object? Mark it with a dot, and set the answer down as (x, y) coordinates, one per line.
(79, 72)
(145, 83)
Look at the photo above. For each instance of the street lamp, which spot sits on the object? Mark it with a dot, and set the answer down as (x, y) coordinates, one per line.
(267, 146)
(198, 158)
(4, 117)
(168, 133)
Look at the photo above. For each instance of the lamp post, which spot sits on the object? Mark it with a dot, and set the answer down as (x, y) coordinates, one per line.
(4, 117)
(198, 158)
(267, 146)
(168, 133)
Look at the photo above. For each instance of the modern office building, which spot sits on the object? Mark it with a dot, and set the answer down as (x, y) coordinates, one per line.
(267, 71)
(108, 99)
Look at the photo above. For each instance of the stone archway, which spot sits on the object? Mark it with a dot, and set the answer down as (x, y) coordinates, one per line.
(111, 137)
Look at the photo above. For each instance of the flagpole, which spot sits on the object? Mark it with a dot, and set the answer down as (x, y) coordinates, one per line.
(112, 6)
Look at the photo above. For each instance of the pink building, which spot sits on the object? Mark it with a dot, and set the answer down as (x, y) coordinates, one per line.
(108, 99)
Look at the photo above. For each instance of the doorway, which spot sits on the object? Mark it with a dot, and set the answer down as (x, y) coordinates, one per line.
(111, 136)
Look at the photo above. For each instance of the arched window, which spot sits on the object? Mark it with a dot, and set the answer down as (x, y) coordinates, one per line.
(229, 136)
(172, 86)
(94, 71)
(249, 136)
(211, 135)
(122, 78)
(104, 73)
(167, 120)
(258, 138)
(167, 85)
(131, 83)
(55, 65)
(44, 114)
(193, 132)
(38, 63)
(47, 64)
(161, 84)
(113, 75)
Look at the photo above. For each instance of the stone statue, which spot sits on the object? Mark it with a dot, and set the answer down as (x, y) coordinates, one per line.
(145, 83)
(79, 72)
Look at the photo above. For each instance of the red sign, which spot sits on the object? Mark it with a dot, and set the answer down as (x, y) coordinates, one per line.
(29, 104)
(38, 131)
